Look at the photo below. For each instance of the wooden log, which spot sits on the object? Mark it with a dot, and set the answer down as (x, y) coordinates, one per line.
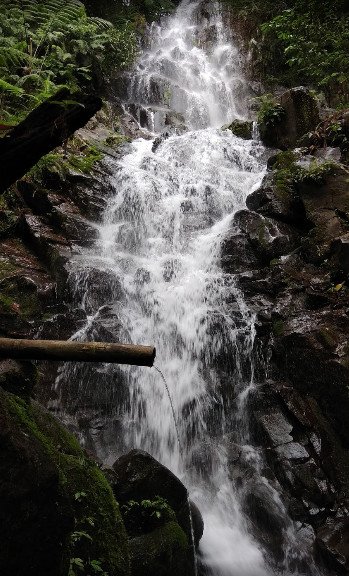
(67, 351)
(45, 128)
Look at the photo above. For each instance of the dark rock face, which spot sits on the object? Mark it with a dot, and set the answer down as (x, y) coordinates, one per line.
(290, 257)
(50, 493)
(165, 549)
(300, 115)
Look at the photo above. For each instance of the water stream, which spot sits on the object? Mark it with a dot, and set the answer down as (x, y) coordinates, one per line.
(154, 277)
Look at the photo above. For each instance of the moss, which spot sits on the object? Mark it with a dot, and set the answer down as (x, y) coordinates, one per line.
(98, 533)
(288, 175)
(278, 327)
(164, 552)
(262, 235)
(315, 173)
(20, 298)
(85, 162)
(116, 139)
(6, 268)
(241, 129)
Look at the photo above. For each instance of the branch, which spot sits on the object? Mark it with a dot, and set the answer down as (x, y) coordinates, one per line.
(45, 128)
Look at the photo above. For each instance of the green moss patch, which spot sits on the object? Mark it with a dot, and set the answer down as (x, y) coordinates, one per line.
(92, 537)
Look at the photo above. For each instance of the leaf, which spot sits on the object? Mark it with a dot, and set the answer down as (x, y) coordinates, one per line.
(11, 88)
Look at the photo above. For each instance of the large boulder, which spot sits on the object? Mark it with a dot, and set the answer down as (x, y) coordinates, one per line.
(241, 128)
(298, 114)
(57, 511)
(165, 547)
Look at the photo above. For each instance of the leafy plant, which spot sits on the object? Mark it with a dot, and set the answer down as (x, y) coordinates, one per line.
(146, 515)
(299, 41)
(315, 43)
(48, 44)
(270, 111)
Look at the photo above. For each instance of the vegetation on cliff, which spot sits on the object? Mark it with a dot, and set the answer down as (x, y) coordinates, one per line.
(47, 45)
(300, 42)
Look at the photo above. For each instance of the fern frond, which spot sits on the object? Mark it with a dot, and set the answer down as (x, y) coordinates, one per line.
(10, 88)
(101, 25)
(11, 56)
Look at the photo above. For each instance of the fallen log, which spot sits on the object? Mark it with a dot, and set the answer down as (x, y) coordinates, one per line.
(68, 351)
(46, 127)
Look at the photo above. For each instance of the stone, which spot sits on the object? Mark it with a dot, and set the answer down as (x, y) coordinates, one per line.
(333, 542)
(241, 128)
(275, 426)
(292, 451)
(162, 552)
(268, 520)
(48, 489)
(300, 115)
(139, 476)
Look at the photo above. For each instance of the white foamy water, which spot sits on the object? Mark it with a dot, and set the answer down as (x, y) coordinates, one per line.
(159, 252)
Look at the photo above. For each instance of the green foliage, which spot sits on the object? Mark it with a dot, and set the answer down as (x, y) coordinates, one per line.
(315, 173)
(300, 41)
(48, 44)
(270, 112)
(59, 164)
(146, 515)
(289, 174)
(315, 44)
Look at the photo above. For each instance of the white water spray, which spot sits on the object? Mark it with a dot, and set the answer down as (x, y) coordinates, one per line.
(159, 249)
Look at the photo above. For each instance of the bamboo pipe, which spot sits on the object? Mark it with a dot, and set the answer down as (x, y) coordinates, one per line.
(77, 351)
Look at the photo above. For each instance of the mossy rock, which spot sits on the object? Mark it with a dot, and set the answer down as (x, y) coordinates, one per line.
(18, 377)
(288, 120)
(162, 552)
(242, 129)
(57, 511)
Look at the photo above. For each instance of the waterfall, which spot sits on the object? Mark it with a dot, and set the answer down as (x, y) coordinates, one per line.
(154, 277)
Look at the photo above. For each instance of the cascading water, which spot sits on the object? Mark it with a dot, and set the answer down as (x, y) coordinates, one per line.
(159, 282)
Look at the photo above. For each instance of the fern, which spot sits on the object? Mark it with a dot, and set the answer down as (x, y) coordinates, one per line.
(10, 56)
(10, 88)
(48, 43)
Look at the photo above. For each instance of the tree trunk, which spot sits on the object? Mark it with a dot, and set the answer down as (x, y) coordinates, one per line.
(65, 351)
(45, 128)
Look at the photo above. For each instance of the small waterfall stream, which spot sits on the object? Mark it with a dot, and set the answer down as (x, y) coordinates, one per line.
(154, 277)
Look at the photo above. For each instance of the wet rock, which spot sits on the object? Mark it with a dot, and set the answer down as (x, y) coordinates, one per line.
(242, 129)
(163, 136)
(268, 239)
(333, 543)
(283, 205)
(300, 115)
(97, 288)
(275, 426)
(175, 120)
(62, 325)
(54, 249)
(42, 470)
(268, 520)
(166, 549)
(237, 255)
(310, 366)
(18, 377)
(292, 451)
(139, 476)
(74, 226)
